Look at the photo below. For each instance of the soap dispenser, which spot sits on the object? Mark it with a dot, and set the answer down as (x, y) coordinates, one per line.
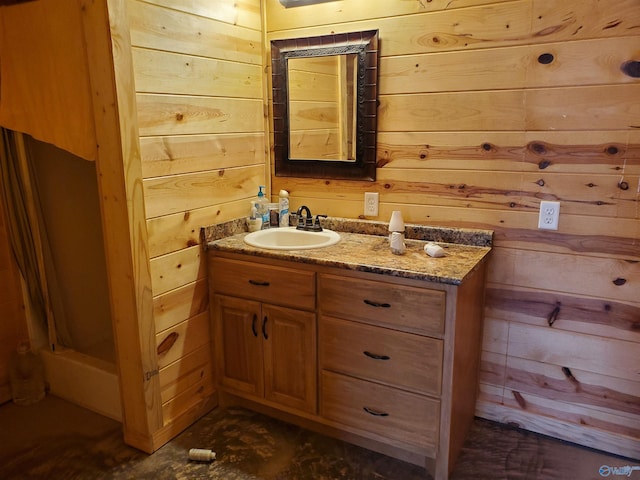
(396, 233)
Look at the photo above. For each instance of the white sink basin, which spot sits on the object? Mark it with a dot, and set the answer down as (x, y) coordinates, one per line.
(291, 239)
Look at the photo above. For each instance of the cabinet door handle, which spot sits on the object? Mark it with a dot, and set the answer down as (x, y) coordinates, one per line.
(253, 325)
(264, 328)
(375, 356)
(259, 283)
(376, 413)
(377, 304)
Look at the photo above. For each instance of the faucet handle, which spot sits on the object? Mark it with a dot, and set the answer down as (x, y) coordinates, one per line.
(316, 225)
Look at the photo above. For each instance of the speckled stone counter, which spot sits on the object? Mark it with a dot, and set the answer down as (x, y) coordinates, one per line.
(368, 250)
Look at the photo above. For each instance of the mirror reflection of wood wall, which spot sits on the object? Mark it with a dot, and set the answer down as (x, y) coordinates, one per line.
(322, 107)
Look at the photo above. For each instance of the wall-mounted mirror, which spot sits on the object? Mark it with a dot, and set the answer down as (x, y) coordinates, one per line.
(324, 105)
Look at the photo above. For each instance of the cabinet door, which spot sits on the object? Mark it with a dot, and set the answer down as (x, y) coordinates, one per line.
(290, 357)
(239, 344)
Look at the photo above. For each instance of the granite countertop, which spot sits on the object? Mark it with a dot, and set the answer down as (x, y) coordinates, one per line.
(465, 249)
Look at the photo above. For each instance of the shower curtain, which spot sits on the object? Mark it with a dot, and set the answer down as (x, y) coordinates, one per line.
(27, 237)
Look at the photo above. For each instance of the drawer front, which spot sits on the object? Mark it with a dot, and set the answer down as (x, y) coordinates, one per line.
(397, 416)
(265, 283)
(387, 356)
(418, 310)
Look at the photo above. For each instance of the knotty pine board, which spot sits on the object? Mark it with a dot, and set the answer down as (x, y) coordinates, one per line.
(589, 236)
(519, 22)
(574, 313)
(566, 108)
(602, 277)
(180, 193)
(598, 152)
(611, 395)
(188, 380)
(178, 376)
(571, 411)
(562, 428)
(243, 13)
(171, 30)
(164, 72)
(189, 335)
(169, 233)
(175, 154)
(281, 18)
(177, 269)
(174, 306)
(509, 68)
(595, 195)
(181, 114)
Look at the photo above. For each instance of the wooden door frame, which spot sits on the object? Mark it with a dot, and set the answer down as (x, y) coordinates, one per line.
(118, 168)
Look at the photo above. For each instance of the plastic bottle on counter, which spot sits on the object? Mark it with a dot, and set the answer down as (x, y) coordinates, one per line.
(254, 222)
(262, 208)
(284, 208)
(26, 373)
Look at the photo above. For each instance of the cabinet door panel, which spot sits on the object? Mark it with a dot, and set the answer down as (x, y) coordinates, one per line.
(239, 344)
(290, 357)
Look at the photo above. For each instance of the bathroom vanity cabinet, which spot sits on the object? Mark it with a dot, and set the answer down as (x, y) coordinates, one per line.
(386, 362)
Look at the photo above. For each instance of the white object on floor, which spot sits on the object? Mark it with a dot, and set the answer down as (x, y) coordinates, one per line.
(202, 455)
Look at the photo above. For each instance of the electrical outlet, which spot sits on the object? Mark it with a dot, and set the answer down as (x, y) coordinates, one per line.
(549, 214)
(371, 204)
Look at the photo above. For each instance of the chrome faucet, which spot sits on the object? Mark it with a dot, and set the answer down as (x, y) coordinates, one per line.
(307, 223)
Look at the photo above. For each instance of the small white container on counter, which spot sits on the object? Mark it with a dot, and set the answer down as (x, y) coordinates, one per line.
(396, 233)
(398, 246)
(434, 250)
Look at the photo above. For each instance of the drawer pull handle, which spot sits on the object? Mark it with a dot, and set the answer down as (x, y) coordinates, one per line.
(377, 304)
(376, 413)
(259, 283)
(375, 356)
(264, 328)
(253, 325)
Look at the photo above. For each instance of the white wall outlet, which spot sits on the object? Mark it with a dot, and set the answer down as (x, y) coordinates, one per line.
(371, 204)
(549, 214)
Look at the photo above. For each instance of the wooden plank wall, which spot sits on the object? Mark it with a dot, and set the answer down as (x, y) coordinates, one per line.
(201, 116)
(488, 107)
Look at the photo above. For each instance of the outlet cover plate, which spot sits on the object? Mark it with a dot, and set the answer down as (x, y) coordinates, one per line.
(549, 215)
(371, 204)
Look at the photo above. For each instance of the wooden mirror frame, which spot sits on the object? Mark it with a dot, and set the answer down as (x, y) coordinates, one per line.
(365, 45)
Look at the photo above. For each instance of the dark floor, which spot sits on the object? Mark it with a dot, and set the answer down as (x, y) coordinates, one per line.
(57, 440)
